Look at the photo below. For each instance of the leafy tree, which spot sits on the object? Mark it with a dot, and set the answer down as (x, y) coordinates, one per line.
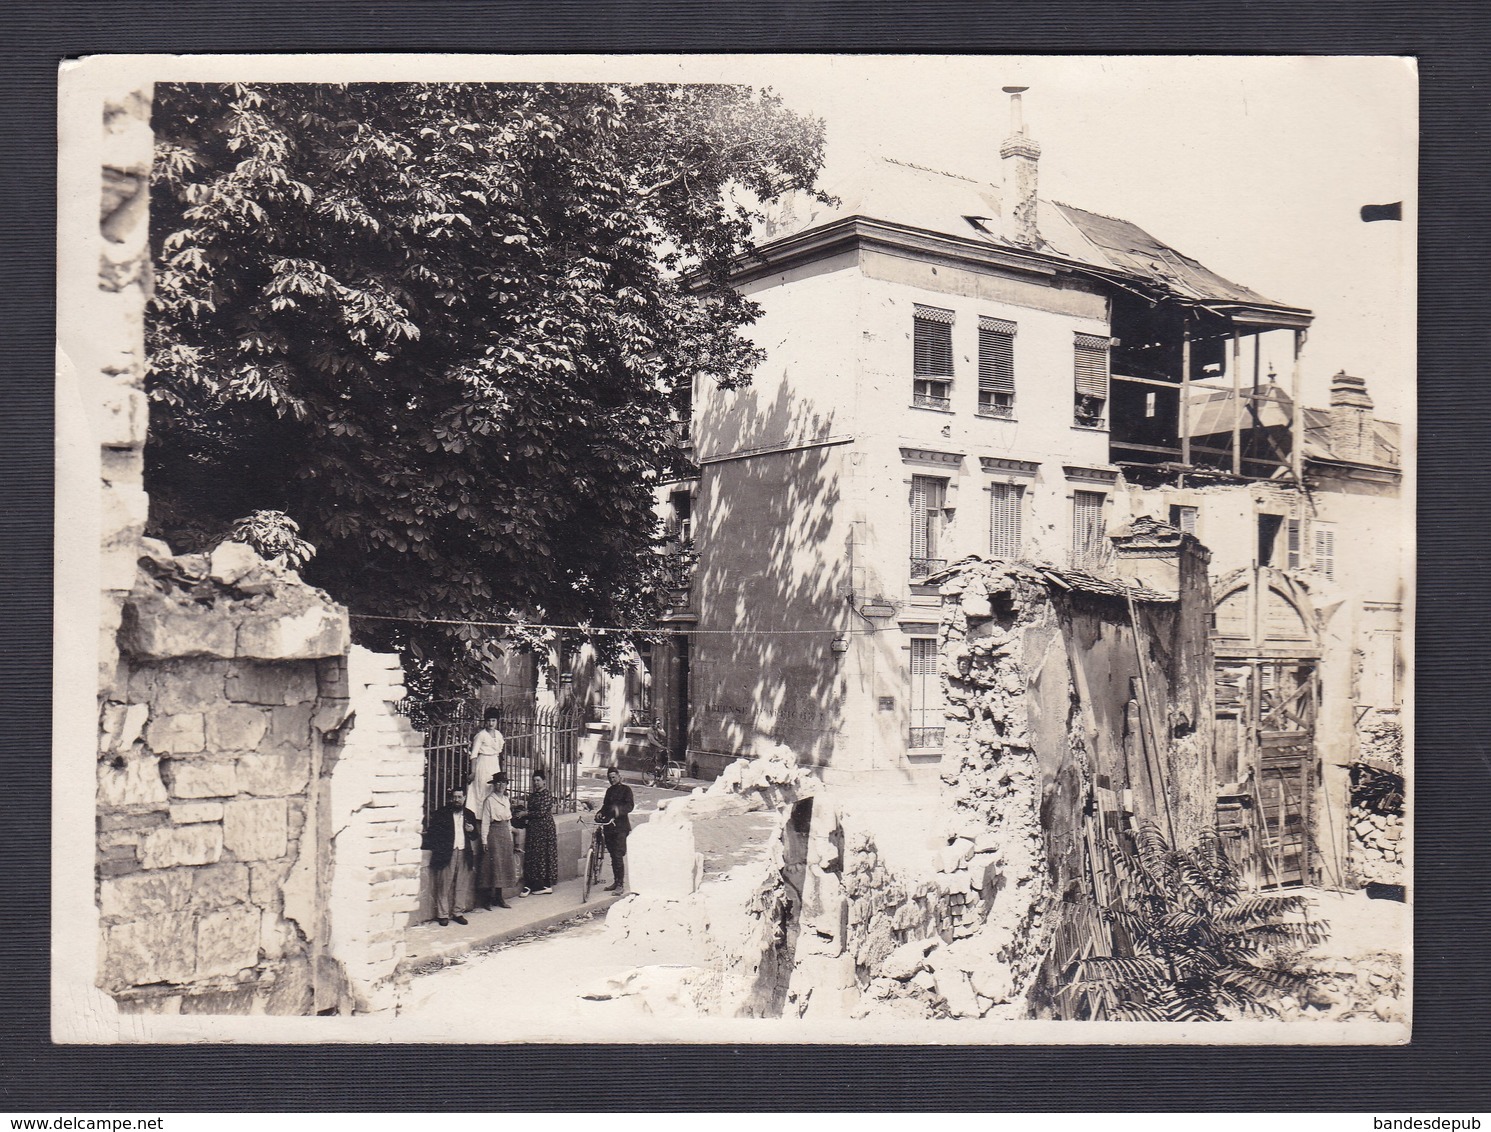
(1199, 949)
(449, 330)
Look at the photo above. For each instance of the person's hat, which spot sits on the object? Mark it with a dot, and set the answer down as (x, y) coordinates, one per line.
(500, 776)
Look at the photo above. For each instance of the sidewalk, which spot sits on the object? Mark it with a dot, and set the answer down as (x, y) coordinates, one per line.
(429, 943)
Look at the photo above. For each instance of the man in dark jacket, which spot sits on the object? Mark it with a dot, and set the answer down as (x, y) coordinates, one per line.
(615, 807)
(450, 838)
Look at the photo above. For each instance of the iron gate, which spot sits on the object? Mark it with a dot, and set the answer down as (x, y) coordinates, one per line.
(533, 737)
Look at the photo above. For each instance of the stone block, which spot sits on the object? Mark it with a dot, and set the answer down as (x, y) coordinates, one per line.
(267, 880)
(145, 895)
(319, 630)
(200, 778)
(217, 886)
(190, 813)
(236, 727)
(274, 773)
(188, 845)
(953, 986)
(190, 685)
(271, 935)
(230, 562)
(122, 726)
(156, 949)
(180, 734)
(158, 627)
(130, 780)
(227, 942)
(123, 516)
(291, 725)
(271, 684)
(122, 417)
(256, 830)
(136, 820)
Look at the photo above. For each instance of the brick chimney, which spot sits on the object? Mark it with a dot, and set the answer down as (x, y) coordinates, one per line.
(1352, 436)
(1020, 154)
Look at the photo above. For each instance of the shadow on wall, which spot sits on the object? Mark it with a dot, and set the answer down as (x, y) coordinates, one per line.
(772, 575)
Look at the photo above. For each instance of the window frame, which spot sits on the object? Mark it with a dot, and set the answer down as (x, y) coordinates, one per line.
(1087, 554)
(933, 368)
(928, 523)
(924, 698)
(1092, 392)
(1013, 497)
(996, 367)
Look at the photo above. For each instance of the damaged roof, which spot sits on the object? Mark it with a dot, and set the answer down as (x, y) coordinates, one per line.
(947, 204)
(1065, 578)
(1211, 415)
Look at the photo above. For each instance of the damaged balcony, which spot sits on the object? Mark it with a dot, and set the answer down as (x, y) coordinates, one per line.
(1188, 392)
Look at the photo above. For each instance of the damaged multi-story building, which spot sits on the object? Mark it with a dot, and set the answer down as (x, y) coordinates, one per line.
(956, 367)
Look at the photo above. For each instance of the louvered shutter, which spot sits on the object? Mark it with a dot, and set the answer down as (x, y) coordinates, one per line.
(919, 516)
(933, 342)
(1087, 526)
(1004, 520)
(996, 355)
(1292, 561)
(1325, 551)
(1092, 365)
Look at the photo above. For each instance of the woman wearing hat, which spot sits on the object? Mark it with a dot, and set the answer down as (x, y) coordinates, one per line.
(497, 870)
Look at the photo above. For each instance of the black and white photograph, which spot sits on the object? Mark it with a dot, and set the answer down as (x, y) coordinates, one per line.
(735, 549)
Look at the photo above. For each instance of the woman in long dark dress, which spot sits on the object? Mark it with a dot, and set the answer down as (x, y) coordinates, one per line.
(541, 846)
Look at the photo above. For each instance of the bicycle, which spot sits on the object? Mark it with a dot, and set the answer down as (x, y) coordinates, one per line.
(595, 859)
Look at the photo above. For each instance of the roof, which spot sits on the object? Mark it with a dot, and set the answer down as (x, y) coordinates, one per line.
(1211, 415)
(948, 204)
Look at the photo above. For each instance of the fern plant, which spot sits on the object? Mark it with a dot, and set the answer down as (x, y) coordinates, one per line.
(1198, 947)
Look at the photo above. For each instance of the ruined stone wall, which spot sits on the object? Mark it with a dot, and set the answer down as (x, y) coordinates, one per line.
(376, 804)
(210, 875)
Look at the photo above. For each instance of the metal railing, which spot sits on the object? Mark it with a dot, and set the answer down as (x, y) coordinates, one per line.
(923, 567)
(923, 738)
(931, 401)
(533, 737)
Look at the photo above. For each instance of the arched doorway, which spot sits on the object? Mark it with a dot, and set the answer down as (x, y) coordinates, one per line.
(1267, 652)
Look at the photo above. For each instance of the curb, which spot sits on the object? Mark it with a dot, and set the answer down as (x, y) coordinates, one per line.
(441, 953)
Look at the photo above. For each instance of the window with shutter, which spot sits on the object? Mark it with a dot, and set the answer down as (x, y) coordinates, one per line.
(928, 503)
(932, 358)
(1291, 560)
(1088, 542)
(1325, 549)
(996, 367)
(1183, 517)
(927, 723)
(1004, 519)
(1091, 372)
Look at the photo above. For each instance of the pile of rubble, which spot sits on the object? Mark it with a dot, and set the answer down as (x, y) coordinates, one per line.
(1363, 988)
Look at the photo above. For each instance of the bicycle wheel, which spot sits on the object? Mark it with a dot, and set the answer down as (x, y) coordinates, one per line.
(592, 872)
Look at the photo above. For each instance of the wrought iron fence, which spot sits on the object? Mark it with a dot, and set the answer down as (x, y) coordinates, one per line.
(534, 737)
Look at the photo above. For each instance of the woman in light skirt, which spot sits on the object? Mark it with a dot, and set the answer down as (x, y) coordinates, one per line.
(498, 869)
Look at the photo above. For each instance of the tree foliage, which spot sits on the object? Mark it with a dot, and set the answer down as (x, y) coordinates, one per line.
(449, 329)
(1199, 949)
